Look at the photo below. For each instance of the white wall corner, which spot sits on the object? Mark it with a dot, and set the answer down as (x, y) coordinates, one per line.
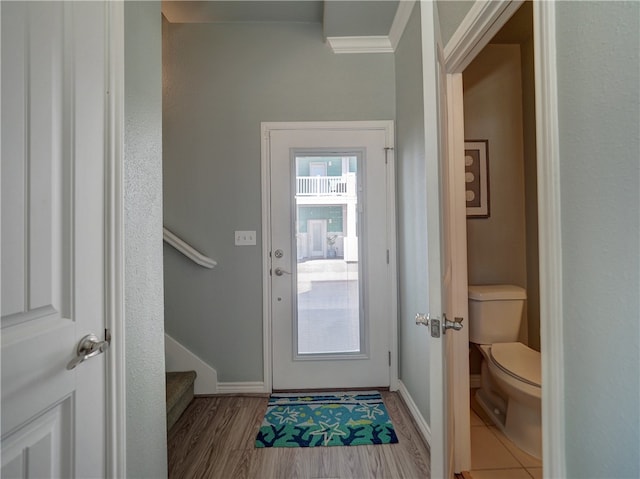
(400, 21)
(419, 419)
(368, 44)
(179, 358)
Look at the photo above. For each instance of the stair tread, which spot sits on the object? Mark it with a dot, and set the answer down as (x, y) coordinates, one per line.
(178, 382)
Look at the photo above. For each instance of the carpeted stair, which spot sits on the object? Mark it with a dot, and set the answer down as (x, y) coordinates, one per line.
(179, 394)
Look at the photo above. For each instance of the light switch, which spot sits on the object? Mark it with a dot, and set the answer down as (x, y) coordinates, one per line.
(245, 238)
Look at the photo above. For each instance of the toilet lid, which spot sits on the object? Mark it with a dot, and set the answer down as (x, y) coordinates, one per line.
(519, 361)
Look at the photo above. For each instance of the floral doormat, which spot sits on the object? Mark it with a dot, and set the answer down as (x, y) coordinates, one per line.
(326, 419)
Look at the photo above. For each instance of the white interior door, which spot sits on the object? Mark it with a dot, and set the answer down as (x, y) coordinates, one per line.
(333, 318)
(443, 227)
(456, 275)
(53, 238)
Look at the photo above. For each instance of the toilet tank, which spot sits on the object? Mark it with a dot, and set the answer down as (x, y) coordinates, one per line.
(495, 313)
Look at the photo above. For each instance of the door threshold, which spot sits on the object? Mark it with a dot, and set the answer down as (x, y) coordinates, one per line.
(317, 390)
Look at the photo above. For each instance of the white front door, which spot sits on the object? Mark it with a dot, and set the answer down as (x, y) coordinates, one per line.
(54, 74)
(333, 316)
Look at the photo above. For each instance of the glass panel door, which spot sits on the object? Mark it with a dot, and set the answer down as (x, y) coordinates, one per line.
(329, 294)
(330, 279)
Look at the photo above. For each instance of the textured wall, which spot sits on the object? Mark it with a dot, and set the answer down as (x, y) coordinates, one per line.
(599, 109)
(411, 204)
(220, 82)
(144, 326)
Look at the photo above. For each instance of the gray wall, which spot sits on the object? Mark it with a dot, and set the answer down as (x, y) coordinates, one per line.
(450, 14)
(220, 82)
(599, 105)
(355, 18)
(411, 204)
(144, 325)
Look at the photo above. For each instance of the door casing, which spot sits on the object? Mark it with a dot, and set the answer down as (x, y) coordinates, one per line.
(482, 22)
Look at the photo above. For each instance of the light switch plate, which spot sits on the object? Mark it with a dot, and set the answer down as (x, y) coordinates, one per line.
(245, 238)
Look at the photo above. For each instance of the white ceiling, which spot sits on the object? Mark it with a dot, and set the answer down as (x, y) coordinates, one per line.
(339, 17)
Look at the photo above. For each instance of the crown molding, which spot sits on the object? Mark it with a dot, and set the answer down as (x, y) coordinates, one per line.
(368, 44)
(400, 21)
(376, 43)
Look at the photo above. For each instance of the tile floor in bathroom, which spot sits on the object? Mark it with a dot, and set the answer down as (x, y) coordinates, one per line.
(493, 455)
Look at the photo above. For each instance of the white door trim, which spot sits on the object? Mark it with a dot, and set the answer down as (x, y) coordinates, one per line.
(266, 128)
(478, 27)
(481, 23)
(114, 261)
(550, 239)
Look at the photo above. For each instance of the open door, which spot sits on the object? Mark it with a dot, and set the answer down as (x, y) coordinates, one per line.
(445, 225)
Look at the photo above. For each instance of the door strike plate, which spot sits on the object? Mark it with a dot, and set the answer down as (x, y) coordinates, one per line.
(435, 328)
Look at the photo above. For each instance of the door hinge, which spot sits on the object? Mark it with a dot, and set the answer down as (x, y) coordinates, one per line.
(387, 256)
(389, 358)
(386, 150)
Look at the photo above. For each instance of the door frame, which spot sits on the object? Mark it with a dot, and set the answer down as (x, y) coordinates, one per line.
(480, 25)
(116, 374)
(266, 127)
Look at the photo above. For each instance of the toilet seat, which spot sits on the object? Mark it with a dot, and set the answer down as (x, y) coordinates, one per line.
(518, 361)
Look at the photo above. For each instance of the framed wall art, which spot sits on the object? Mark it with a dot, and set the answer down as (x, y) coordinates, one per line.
(476, 167)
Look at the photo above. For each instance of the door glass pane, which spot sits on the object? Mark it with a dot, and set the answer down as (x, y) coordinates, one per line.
(328, 307)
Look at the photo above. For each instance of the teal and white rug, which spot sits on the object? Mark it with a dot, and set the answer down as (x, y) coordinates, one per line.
(326, 419)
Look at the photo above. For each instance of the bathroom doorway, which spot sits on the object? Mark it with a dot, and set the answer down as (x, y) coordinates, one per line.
(502, 242)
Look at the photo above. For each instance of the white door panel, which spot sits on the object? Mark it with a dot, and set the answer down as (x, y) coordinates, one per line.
(53, 237)
(294, 368)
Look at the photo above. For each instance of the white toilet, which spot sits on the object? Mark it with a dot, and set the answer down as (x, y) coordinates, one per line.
(511, 379)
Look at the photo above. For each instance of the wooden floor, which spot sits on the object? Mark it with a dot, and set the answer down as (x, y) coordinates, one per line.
(215, 439)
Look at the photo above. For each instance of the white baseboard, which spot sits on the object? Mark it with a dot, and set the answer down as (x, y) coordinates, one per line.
(242, 387)
(423, 427)
(474, 381)
(179, 358)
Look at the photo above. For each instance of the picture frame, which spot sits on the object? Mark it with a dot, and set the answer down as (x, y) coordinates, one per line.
(476, 161)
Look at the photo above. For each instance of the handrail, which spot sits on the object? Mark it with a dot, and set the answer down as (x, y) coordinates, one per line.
(187, 250)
